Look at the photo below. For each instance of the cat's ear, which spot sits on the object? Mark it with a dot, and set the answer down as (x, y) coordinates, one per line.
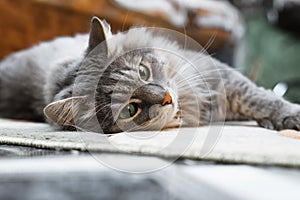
(99, 32)
(65, 111)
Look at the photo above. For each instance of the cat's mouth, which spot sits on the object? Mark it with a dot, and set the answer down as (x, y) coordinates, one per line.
(175, 122)
(165, 115)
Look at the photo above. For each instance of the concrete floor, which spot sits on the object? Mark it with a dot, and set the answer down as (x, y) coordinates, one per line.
(30, 173)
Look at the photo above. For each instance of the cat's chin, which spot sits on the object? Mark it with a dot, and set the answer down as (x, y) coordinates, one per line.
(174, 122)
(170, 116)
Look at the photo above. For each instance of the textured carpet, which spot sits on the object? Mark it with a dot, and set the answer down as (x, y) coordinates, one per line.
(232, 143)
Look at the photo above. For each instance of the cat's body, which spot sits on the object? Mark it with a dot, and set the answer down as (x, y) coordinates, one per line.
(138, 80)
(23, 76)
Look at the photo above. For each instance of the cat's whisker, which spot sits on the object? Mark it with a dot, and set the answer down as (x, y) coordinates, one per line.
(85, 122)
(209, 43)
(197, 75)
(147, 124)
(210, 71)
(186, 66)
(105, 117)
(104, 105)
(192, 78)
(190, 82)
(87, 117)
(86, 130)
(204, 91)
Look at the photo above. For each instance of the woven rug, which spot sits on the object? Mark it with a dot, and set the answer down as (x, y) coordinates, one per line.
(233, 142)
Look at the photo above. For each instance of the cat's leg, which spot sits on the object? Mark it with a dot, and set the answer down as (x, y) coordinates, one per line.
(245, 100)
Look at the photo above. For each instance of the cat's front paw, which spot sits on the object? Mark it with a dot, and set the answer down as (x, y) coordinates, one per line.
(291, 122)
(265, 123)
(284, 119)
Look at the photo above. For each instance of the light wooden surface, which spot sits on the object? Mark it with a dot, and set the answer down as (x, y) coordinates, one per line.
(231, 143)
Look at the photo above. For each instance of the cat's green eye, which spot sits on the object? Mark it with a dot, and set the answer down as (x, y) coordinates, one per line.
(144, 72)
(128, 111)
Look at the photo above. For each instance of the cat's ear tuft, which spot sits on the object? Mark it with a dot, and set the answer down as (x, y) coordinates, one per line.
(99, 32)
(65, 111)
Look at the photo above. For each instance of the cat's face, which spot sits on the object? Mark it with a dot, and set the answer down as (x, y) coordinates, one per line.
(134, 93)
(125, 91)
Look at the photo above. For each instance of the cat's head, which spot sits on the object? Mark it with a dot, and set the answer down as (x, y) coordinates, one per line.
(124, 86)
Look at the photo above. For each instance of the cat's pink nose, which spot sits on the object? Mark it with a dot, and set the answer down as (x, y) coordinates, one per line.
(167, 99)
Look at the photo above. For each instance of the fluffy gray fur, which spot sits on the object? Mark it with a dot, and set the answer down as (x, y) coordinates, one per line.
(87, 79)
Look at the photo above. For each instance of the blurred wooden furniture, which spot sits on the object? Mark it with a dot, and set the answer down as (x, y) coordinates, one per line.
(24, 23)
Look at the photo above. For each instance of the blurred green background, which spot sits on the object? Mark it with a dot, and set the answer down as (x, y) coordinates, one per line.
(272, 55)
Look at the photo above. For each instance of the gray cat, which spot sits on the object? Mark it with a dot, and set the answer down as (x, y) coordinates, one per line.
(138, 80)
